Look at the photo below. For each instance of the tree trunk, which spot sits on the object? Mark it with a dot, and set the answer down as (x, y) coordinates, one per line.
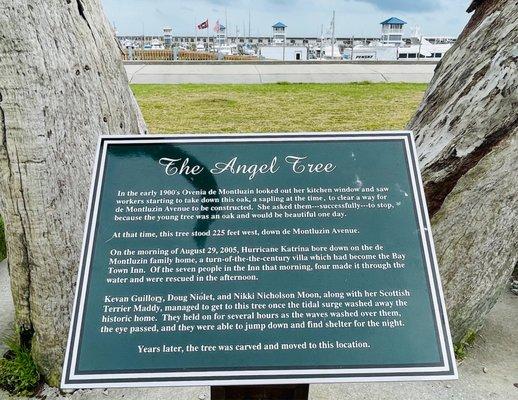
(61, 85)
(466, 129)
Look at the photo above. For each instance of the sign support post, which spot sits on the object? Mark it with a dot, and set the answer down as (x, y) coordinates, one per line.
(273, 392)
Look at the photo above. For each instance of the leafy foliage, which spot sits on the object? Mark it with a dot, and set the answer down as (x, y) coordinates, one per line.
(461, 348)
(18, 372)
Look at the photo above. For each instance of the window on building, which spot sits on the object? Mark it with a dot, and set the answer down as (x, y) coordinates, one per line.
(412, 55)
(403, 55)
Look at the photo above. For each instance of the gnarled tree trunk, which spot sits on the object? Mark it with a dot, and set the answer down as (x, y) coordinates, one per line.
(61, 85)
(467, 139)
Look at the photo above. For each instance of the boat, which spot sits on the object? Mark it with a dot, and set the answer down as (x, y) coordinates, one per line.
(154, 45)
(248, 50)
(325, 51)
(221, 44)
(128, 44)
(422, 48)
(223, 49)
(328, 49)
(392, 47)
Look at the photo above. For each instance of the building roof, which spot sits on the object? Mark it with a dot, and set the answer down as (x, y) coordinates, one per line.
(279, 25)
(394, 21)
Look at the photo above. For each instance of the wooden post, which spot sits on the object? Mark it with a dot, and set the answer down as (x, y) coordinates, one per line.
(270, 392)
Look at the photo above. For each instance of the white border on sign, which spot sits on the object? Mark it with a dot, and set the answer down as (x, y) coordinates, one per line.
(448, 371)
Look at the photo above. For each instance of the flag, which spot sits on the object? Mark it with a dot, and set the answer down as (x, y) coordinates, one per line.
(203, 25)
(217, 27)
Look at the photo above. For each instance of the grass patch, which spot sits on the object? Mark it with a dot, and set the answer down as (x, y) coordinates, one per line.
(18, 372)
(461, 348)
(3, 250)
(278, 107)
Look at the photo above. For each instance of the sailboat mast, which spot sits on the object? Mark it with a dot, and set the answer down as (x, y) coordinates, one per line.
(226, 25)
(322, 41)
(333, 37)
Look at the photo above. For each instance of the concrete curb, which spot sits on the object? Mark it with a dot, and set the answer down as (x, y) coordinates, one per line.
(254, 73)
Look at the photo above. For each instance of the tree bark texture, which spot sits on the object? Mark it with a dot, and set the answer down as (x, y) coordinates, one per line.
(466, 132)
(61, 85)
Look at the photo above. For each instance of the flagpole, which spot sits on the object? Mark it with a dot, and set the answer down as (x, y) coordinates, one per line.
(333, 38)
(322, 42)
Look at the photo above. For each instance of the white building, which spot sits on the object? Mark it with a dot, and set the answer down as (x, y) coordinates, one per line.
(279, 34)
(279, 49)
(284, 53)
(392, 31)
(168, 37)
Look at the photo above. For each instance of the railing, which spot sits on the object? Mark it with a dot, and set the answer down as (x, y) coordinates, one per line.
(183, 55)
(392, 31)
(239, 57)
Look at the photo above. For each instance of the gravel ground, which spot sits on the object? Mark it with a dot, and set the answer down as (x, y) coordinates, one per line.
(490, 371)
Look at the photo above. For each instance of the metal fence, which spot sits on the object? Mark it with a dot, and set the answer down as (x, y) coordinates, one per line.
(182, 55)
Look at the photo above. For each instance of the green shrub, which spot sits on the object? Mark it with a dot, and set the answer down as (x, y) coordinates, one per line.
(18, 373)
(461, 348)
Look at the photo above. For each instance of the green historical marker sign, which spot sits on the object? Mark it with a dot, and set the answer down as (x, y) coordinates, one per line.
(255, 259)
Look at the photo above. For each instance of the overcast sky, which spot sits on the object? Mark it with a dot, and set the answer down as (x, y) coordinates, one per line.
(304, 18)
